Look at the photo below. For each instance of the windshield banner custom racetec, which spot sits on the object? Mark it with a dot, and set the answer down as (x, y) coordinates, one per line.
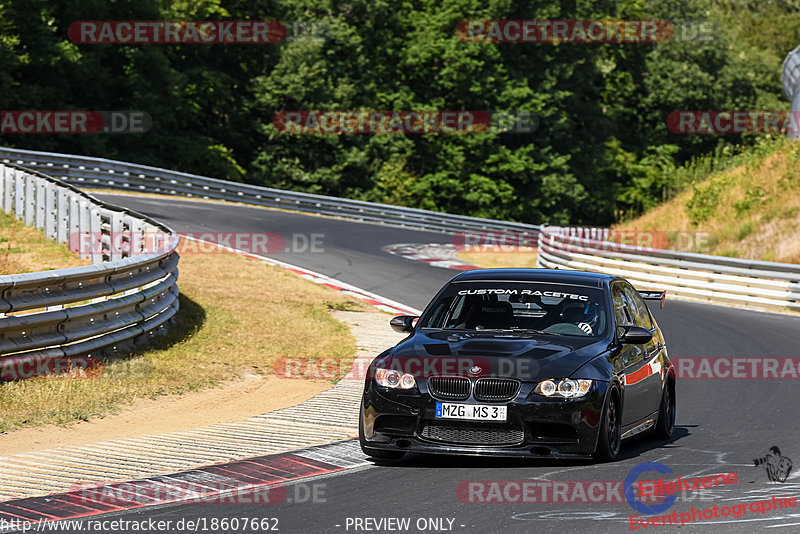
(531, 292)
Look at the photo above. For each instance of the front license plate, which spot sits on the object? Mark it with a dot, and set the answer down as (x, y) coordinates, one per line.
(480, 412)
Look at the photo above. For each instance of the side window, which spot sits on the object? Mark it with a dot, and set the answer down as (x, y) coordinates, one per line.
(622, 314)
(639, 308)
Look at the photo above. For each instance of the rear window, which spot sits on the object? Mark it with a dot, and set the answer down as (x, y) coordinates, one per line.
(549, 308)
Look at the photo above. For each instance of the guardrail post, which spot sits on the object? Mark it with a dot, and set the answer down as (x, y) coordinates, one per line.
(41, 204)
(539, 243)
(136, 236)
(74, 223)
(85, 237)
(116, 235)
(62, 215)
(8, 189)
(3, 185)
(153, 239)
(19, 194)
(50, 215)
(95, 230)
(29, 216)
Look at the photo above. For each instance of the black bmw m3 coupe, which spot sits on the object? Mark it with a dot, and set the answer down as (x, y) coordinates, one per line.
(522, 362)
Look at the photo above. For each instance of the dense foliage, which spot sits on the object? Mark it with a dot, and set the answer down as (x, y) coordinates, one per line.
(601, 151)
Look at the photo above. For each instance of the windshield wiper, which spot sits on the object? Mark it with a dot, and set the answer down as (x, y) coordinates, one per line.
(534, 331)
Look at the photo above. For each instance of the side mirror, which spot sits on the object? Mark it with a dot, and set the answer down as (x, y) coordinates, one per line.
(403, 324)
(635, 335)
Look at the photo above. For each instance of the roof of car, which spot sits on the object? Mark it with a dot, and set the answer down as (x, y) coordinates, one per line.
(537, 275)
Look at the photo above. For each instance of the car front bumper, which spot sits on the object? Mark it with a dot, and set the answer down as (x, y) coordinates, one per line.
(539, 427)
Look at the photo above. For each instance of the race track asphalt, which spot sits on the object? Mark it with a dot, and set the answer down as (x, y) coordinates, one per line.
(722, 425)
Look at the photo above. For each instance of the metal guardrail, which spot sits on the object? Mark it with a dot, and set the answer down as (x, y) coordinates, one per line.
(767, 285)
(129, 291)
(757, 284)
(106, 173)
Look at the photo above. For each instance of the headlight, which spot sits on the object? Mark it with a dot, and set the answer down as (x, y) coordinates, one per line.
(546, 388)
(393, 379)
(566, 388)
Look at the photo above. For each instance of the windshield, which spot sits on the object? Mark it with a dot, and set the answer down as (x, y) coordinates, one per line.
(555, 309)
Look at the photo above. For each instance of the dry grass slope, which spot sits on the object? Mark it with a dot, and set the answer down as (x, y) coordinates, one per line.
(493, 257)
(24, 249)
(237, 317)
(752, 211)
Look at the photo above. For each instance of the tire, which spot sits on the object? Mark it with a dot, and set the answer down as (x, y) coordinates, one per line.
(609, 439)
(378, 454)
(666, 415)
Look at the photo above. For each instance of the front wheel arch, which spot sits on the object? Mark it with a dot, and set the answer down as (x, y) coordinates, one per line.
(609, 435)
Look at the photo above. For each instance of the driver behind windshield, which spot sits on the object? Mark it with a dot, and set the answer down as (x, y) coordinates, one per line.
(543, 308)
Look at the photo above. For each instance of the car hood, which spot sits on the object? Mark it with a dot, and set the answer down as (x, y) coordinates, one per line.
(472, 354)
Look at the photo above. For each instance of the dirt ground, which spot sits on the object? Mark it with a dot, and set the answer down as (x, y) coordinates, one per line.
(253, 395)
